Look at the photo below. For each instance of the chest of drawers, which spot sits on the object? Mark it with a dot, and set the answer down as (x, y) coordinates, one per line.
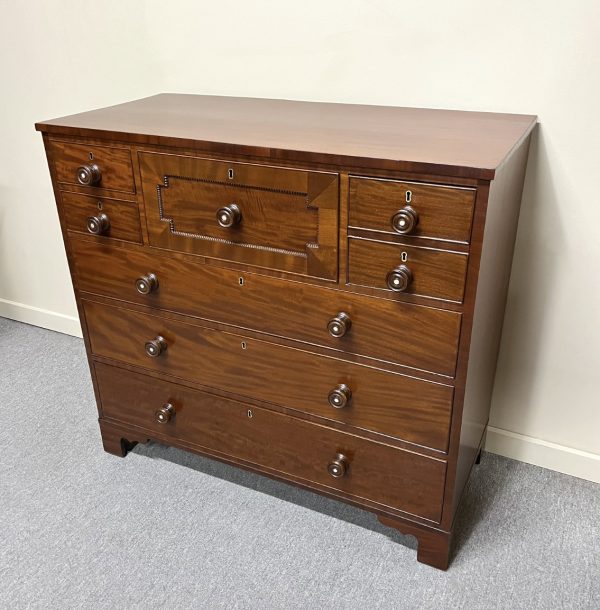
(311, 291)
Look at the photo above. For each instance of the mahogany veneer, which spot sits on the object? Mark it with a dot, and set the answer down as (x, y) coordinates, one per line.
(311, 291)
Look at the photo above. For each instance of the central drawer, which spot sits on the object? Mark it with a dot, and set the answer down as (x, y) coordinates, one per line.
(360, 396)
(284, 445)
(411, 335)
(260, 215)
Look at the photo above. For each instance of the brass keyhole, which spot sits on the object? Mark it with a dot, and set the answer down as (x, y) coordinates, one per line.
(404, 257)
(230, 173)
(91, 156)
(100, 205)
(241, 281)
(243, 345)
(250, 414)
(408, 196)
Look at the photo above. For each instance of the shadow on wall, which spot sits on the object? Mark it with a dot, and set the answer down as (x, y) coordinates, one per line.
(533, 285)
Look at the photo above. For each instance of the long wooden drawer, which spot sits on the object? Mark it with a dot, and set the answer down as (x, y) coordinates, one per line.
(284, 445)
(113, 163)
(122, 217)
(435, 211)
(260, 215)
(396, 405)
(427, 337)
(439, 274)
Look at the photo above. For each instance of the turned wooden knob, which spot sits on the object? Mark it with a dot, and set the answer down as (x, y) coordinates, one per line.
(229, 215)
(145, 284)
(98, 225)
(399, 279)
(155, 347)
(88, 175)
(165, 414)
(338, 467)
(405, 220)
(340, 396)
(339, 325)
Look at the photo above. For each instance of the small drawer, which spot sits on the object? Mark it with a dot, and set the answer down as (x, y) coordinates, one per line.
(411, 208)
(428, 337)
(358, 396)
(95, 167)
(427, 272)
(102, 216)
(265, 216)
(344, 464)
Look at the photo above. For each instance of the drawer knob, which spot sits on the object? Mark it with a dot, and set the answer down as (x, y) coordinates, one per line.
(98, 225)
(338, 466)
(340, 396)
(399, 279)
(339, 325)
(165, 414)
(229, 215)
(156, 347)
(88, 175)
(145, 284)
(405, 220)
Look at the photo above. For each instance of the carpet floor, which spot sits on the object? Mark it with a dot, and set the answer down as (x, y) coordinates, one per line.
(80, 528)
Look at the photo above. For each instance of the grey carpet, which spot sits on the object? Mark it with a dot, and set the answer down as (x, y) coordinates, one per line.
(165, 529)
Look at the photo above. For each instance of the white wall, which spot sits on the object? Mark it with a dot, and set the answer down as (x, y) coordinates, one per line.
(533, 57)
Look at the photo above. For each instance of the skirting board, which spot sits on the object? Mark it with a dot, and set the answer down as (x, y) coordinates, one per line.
(581, 464)
(509, 444)
(68, 325)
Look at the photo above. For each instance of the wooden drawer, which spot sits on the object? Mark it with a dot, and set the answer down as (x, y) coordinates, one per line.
(123, 216)
(283, 445)
(114, 164)
(388, 403)
(439, 274)
(443, 212)
(429, 337)
(284, 219)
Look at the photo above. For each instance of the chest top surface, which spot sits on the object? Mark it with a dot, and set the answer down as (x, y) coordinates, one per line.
(469, 144)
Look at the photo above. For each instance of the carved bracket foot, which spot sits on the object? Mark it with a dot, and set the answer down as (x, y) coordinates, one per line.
(117, 440)
(433, 545)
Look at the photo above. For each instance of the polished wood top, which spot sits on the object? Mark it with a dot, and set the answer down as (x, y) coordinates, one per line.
(450, 142)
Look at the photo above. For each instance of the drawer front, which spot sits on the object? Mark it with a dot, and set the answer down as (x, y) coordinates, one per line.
(386, 475)
(121, 217)
(439, 274)
(442, 212)
(396, 405)
(114, 165)
(279, 218)
(412, 335)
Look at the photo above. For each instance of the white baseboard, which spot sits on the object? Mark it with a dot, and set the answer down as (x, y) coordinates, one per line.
(69, 325)
(582, 464)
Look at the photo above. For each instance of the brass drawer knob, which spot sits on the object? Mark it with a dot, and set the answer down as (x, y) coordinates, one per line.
(165, 414)
(340, 396)
(339, 325)
(88, 175)
(155, 347)
(338, 467)
(145, 284)
(399, 279)
(98, 225)
(229, 215)
(405, 220)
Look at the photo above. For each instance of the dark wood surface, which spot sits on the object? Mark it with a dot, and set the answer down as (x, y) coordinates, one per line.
(439, 274)
(396, 405)
(410, 335)
(403, 139)
(443, 212)
(249, 332)
(386, 475)
(124, 216)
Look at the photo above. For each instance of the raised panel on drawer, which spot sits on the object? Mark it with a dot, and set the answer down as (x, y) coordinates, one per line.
(396, 405)
(439, 274)
(288, 217)
(444, 212)
(123, 216)
(386, 475)
(114, 163)
(412, 335)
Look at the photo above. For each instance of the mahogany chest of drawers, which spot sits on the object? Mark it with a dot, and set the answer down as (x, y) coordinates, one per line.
(311, 291)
